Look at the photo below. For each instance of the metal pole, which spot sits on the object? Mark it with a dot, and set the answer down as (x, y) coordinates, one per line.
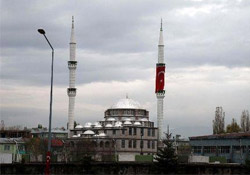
(51, 94)
(48, 156)
(142, 130)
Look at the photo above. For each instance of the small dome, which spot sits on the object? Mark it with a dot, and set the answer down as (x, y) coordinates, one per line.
(111, 119)
(127, 119)
(108, 125)
(137, 123)
(78, 127)
(102, 135)
(127, 123)
(87, 125)
(144, 119)
(89, 132)
(96, 123)
(118, 124)
(98, 126)
(126, 103)
(78, 135)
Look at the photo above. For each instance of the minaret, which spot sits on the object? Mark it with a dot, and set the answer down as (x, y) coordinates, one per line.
(72, 77)
(159, 83)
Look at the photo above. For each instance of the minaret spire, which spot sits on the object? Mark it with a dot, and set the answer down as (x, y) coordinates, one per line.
(72, 78)
(72, 38)
(159, 84)
(72, 22)
(161, 25)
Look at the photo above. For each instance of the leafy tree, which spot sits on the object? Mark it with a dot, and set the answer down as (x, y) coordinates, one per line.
(233, 127)
(36, 147)
(219, 121)
(245, 123)
(166, 159)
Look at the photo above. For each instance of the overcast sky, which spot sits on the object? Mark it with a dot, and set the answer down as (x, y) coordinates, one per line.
(207, 55)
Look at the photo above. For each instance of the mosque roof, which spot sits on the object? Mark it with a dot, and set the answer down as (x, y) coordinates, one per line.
(126, 103)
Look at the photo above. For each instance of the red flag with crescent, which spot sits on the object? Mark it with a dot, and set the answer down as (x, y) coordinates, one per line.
(160, 75)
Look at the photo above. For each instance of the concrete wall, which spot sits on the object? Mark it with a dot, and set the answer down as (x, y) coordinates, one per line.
(198, 159)
(131, 168)
(5, 158)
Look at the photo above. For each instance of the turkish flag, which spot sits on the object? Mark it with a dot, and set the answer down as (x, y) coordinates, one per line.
(160, 75)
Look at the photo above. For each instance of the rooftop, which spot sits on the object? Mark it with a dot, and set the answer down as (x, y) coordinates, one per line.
(222, 136)
(126, 103)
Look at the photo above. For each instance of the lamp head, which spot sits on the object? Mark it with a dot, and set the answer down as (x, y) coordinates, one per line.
(41, 31)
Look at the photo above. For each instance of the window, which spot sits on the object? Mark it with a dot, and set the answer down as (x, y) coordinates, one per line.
(130, 131)
(123, 143)
(101, 144)
(130, 143)
(6, 147)
(107, 144)
(142, 132)
(153, 132)
(148, 143)
(224, 149)
(134, 143)
(134, 131)
(209, 149)
(123, 131)
(141, 145)
(114, 132)
(149, 132)
(153, 144)
(197, 149)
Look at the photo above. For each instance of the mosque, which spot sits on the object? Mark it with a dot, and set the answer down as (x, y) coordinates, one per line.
(126, 129)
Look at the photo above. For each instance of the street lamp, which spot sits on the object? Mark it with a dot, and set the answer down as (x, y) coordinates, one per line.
(48, 156)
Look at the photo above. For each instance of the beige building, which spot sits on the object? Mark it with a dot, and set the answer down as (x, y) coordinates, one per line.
(125, 131)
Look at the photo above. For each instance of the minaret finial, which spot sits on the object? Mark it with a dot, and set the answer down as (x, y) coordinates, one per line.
(126, 95)
(72, 22)
(161, 24)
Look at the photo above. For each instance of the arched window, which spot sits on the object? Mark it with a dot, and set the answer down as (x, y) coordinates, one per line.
(107, 144)
(101, 144)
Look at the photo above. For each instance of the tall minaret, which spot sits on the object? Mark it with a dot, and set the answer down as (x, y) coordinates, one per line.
(72, 78)
(159, 83)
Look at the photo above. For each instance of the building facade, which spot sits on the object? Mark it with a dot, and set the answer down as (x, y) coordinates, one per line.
(125, 131)
(234, 147)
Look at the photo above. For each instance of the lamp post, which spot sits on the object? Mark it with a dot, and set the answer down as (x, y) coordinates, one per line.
(141, 144)
(48, 156)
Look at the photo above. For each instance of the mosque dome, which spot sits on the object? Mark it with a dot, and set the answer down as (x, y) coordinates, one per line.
(111, 119)
(137, 123)
(87, 125)
(102, 135)
(118, 124)
(78, 127)
(127, 123)
(108, 125)
(89, 132)
(126, 103)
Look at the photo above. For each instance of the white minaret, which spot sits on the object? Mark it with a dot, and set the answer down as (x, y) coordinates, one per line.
(159, 90)
(72, 78)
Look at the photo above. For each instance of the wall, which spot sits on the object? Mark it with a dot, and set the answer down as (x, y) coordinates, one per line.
(119, 168)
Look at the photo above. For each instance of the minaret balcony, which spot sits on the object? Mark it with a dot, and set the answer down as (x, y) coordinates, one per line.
(160, 94)
(71, 92)
(72, 64)
(160, 65)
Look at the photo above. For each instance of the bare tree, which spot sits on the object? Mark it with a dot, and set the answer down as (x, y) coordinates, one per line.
(245, 123)
(219, 121)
